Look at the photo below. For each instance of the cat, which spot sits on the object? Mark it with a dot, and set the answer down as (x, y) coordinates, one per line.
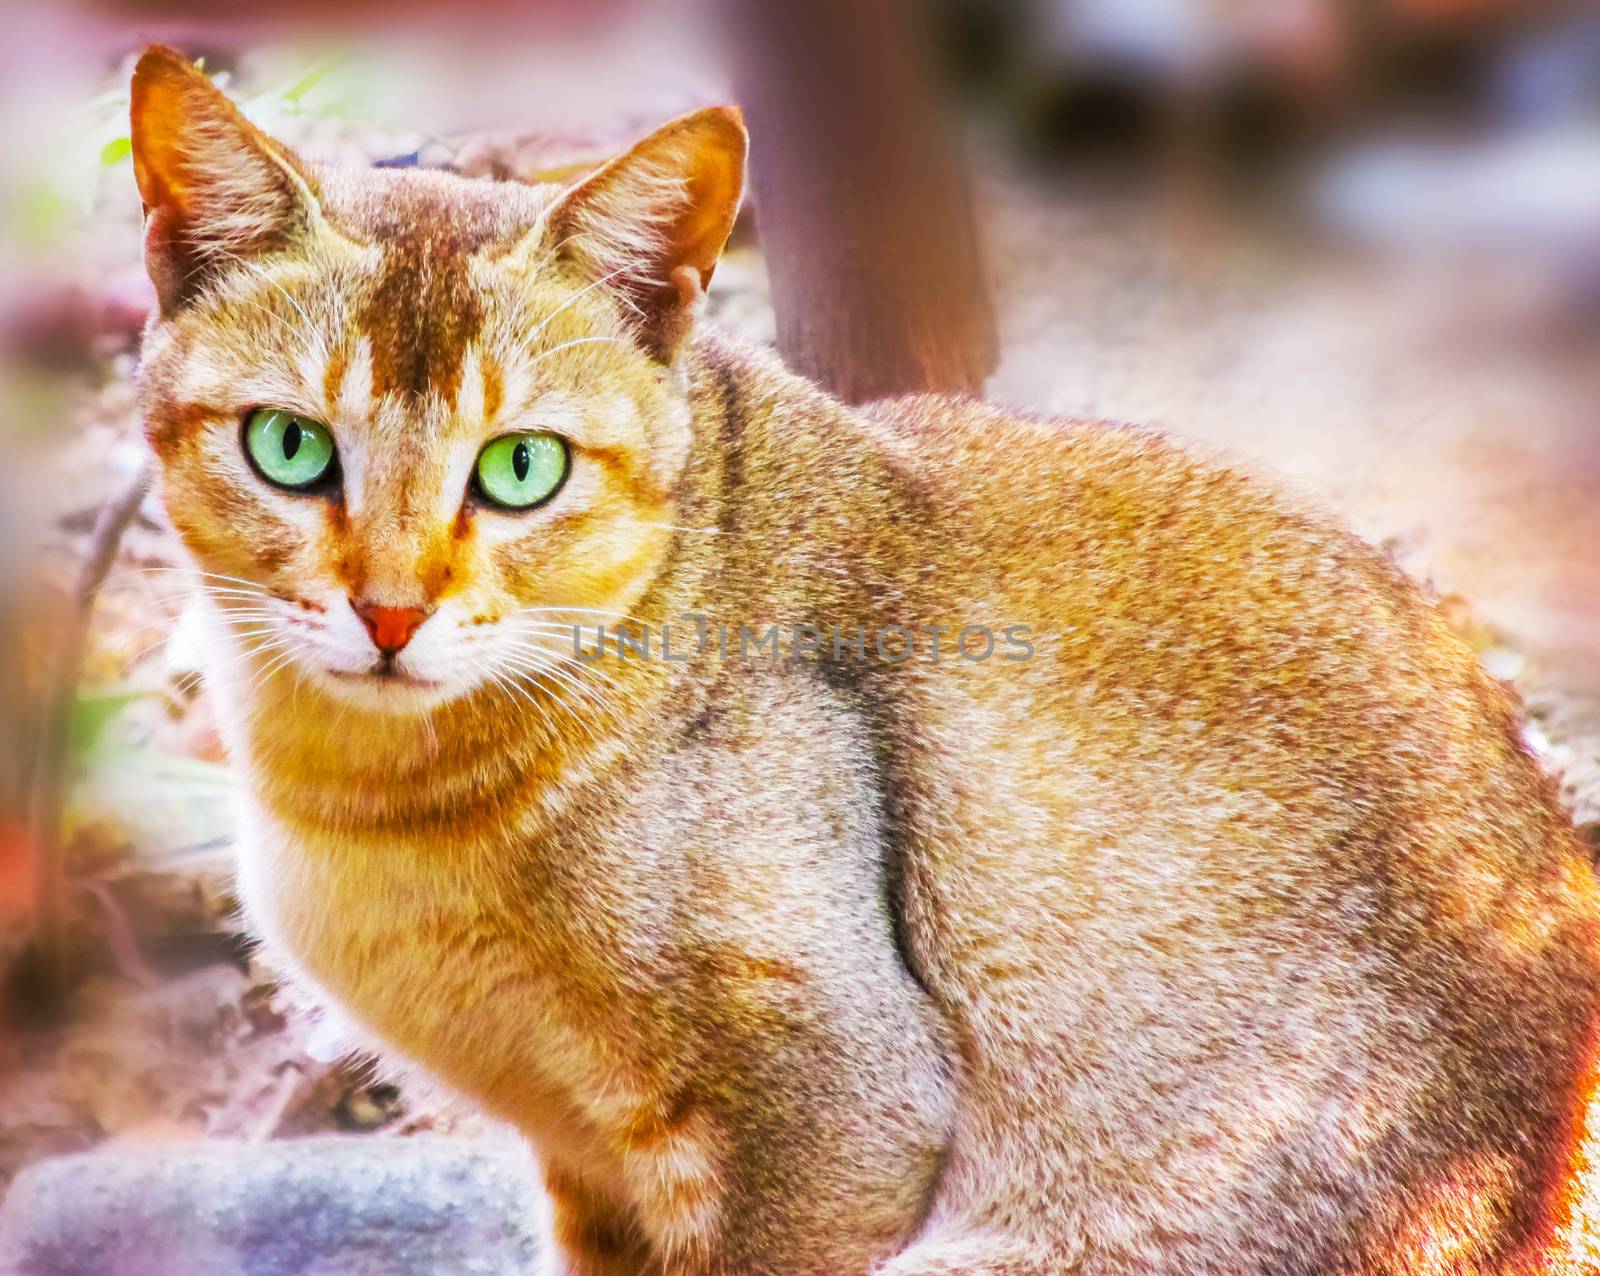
(1214, 919)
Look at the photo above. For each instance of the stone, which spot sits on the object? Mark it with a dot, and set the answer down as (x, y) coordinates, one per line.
(327, 1206)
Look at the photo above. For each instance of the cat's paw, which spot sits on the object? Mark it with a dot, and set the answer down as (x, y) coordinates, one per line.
(976, 1254)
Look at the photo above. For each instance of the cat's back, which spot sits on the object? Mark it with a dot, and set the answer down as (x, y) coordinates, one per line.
(1217, 662)
(1203, 599)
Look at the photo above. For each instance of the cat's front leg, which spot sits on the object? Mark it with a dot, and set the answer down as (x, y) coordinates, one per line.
(978, 1253)
(585, 1234)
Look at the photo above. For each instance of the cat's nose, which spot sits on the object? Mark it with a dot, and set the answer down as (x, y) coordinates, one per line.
(391, 627)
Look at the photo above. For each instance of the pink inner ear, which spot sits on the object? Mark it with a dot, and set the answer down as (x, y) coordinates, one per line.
(690, 284)
(165, 258)
(162, 258)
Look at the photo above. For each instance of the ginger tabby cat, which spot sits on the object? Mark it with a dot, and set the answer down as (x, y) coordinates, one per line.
(1217, 921)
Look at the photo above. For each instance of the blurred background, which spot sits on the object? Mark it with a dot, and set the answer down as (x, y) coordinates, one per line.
(1355, 243)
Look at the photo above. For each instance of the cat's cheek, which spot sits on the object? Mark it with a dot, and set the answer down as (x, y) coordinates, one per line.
(229, 529)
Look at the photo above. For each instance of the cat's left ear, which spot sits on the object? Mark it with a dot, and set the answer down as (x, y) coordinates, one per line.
(653, 221)
(214, 186)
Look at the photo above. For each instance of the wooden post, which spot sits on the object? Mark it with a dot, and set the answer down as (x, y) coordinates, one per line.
(861, 199)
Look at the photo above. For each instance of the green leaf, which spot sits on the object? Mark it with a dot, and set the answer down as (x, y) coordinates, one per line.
(115, 151)
(92, 713)
(308, 81)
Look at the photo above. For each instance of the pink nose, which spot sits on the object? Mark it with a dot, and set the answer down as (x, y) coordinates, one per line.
(391, 627)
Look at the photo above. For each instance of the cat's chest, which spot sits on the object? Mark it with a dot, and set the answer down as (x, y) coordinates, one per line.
(418, 951)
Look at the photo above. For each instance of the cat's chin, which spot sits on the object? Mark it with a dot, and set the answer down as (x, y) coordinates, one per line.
(392, 692)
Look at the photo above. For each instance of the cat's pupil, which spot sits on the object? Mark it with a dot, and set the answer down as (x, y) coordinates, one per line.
(291, 440)
(521, 459)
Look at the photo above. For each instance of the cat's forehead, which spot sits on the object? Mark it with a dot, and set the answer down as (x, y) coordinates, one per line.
(414, 210)
(420, 310)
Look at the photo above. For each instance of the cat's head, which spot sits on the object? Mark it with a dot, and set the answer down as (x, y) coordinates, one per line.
(410, 425)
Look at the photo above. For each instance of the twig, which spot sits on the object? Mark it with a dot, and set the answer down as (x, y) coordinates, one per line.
(50, 767)
(291, 1083)
(124, 943)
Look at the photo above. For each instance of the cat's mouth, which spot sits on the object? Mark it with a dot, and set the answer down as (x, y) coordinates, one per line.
(380, 676)
(386, 689)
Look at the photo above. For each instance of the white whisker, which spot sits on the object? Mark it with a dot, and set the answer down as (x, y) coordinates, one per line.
(573, 662)
(674, 527)
(587, 694)
(311, 329)
(573, 300)
(577, 341)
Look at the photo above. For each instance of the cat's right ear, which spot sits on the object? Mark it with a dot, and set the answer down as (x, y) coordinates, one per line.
(651, 223)
(214, 186)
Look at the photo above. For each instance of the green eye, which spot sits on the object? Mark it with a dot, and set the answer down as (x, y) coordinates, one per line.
(291, 451)
(518, 471)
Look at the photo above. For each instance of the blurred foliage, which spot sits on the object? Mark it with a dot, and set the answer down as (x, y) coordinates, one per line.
(92, 713)
(53, 204)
